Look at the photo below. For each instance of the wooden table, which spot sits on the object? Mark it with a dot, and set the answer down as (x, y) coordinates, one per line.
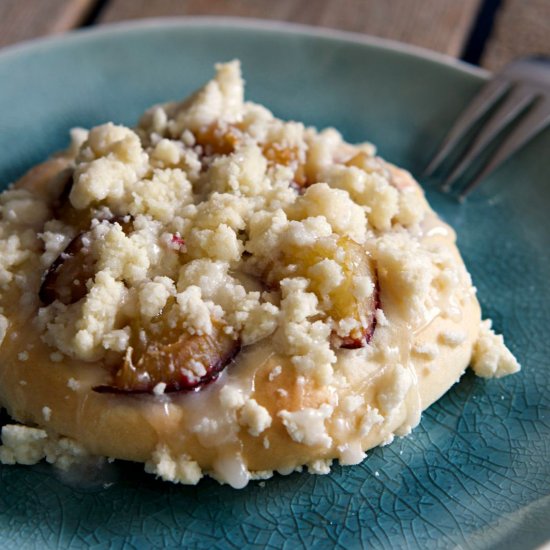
(485, 32)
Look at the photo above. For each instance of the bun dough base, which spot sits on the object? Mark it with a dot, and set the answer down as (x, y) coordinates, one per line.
(292, 243)
(133, 427)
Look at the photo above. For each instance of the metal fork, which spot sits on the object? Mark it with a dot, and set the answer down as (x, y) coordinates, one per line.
(525, 83)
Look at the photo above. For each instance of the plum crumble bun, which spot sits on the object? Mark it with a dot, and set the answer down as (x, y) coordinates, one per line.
(221, 292)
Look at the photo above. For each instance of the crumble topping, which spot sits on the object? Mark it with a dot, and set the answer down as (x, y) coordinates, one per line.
(25, 445)
(4, 324)
(491, 356)
(178, 470)
(215, 235)
(307, 426)
(22, 445)
(255, 417)
(46, 413)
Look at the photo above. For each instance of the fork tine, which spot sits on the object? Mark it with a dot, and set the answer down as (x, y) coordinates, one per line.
(518, 99)
(490, 93)
(531, 124)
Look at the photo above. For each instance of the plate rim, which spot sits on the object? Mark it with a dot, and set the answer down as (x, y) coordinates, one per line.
(84, 34)
(90, 34)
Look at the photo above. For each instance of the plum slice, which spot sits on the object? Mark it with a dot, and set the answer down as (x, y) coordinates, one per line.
(344, 303)
(288, 156)
(224, 141)
(65, 280)
(180, 360)
(218, 141)
(360, 337)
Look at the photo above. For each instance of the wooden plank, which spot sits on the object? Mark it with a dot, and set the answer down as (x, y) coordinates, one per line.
(441, 25)
(522, 27)
(24, 19)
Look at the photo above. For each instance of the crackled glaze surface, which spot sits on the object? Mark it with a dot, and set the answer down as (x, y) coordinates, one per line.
(475, 473)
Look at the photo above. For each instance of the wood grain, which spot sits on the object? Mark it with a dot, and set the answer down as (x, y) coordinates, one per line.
(24, 19)
(521, 27)
(441, 25)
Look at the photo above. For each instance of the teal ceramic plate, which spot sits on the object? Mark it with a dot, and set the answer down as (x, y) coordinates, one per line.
(476, 472)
